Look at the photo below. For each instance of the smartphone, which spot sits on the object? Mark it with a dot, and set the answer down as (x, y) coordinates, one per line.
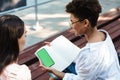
(45, 58)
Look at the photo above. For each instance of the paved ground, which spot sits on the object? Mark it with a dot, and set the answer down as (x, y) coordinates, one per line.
(52, 18)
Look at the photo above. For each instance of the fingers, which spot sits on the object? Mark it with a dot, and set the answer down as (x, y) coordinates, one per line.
(51, 78)
(47, 68)
(47, 43)
(40, 63)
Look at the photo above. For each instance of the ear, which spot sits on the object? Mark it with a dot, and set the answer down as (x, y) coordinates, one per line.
(86, 23)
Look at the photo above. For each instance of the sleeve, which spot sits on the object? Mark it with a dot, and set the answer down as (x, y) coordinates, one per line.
(87, 67)
(16, 72)
(69, 76)
(24, 73)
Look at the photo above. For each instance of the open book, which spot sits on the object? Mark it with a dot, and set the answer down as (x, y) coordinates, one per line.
(59, 55)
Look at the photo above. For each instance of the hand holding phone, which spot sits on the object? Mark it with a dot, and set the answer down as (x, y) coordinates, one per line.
(44, 57)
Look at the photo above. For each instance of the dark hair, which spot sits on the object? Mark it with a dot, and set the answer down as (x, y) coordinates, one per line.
(11, 29)
(85, 9)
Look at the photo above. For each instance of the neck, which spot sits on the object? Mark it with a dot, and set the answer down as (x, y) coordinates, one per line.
(93, 35)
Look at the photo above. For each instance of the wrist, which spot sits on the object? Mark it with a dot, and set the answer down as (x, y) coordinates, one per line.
(52, 70)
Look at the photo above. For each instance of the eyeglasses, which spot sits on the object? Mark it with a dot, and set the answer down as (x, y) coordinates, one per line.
(75, 22)
(71, 23)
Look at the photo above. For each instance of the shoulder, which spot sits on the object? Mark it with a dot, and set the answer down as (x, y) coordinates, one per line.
(16, 67)
(90, 53)
(24, 72)
(19, 72)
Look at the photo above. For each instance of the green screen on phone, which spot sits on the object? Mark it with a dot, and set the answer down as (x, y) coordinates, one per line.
(45, 57)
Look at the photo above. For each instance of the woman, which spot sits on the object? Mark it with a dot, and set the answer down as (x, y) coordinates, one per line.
(98, 59)
(12, 41)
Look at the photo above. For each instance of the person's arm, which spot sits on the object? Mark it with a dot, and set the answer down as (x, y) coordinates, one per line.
(55, 72)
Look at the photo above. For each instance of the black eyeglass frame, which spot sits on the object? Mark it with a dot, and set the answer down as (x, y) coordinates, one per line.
(71, 23)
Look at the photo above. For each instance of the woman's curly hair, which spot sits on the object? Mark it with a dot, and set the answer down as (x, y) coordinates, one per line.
(85, 9)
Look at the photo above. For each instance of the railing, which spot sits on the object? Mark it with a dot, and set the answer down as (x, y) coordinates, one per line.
(35, 10)
(26, 7)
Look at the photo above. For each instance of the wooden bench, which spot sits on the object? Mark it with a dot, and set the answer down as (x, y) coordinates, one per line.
(109, 21)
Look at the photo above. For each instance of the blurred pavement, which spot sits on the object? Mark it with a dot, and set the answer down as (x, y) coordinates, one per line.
(52, 19)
